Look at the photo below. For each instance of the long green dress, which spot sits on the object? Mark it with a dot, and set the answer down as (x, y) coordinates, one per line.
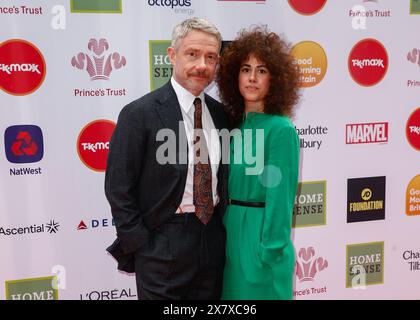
(260, 258)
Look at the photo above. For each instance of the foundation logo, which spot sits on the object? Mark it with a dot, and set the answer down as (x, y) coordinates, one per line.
(365, 199)
(368, 62)
(98, 64)
(24, 143)
(414, 6)
(32, 289)
(97, 6)
(412, 130)
(307, 8)
(365, 264)
(22, 67)
(412, 202)
(93, 144)
(310, 204)
(376, 132)
(312, 62)
(160, 65)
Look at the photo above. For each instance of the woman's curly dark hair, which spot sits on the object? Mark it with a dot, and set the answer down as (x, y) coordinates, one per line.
(269, 48)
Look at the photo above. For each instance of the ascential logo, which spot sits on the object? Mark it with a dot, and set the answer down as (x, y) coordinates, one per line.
(44, 288)
(97, 6)
(49, 227)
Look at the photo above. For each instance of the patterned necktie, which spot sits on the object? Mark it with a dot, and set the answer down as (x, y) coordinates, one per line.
(202, 186)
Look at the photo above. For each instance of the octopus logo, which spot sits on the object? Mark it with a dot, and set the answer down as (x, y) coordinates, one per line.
(306, 7)
(412, 129)
(22, 67)
(24, 144)
(93, 144)
(368, 62)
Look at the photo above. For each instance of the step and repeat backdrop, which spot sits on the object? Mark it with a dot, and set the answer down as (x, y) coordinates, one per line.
(67, 68)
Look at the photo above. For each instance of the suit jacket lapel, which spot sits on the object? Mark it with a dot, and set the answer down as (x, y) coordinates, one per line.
(170, 114)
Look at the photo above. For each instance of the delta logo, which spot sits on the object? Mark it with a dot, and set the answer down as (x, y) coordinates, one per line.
(366, 199)
(375, 132)
(95, 223)
(93, 144)
(44, 288)
(22, 67)
(307, 8)
(368, 62)
(97, 6)
(364, 264)
(412, 129)
(98, 63)
(24, 143)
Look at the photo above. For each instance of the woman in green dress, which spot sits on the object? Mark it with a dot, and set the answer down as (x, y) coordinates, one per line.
(258, 83)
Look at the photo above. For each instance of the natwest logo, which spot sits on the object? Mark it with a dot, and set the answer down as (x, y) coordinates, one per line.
(93, 144)
(97, 63)
(22, 67)
(412, 129)
(24, 143)
(376, 132)
(368, 62)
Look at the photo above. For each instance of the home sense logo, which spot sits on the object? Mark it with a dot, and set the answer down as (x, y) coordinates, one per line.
(97, 6)
(365, 199)
(32, 289)
(22, 67)
(24, 143)
(414, 6)
(93, 144)
(368, 62)
(412, 129)
(364, 264)
(376, 132)
(306, 7)
(310, 204)
(312, 62)
(412, 203)
(160, 65)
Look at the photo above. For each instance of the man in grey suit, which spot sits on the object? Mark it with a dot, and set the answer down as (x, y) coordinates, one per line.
(168, 214)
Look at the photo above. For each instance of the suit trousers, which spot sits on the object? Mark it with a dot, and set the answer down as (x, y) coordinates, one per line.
(183, 260)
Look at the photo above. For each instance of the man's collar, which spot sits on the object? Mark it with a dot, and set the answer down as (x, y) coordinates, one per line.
(185, 98)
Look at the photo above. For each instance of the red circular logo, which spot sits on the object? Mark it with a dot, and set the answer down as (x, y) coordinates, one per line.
(368, 62)
(306, 7)
(22, 67)
(412, 129)
(93, 144)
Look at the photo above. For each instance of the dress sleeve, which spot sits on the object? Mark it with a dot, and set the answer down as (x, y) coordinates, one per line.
(281, 179)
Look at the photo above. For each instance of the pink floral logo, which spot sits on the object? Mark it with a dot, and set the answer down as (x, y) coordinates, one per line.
(307, 265)
(98, 64)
